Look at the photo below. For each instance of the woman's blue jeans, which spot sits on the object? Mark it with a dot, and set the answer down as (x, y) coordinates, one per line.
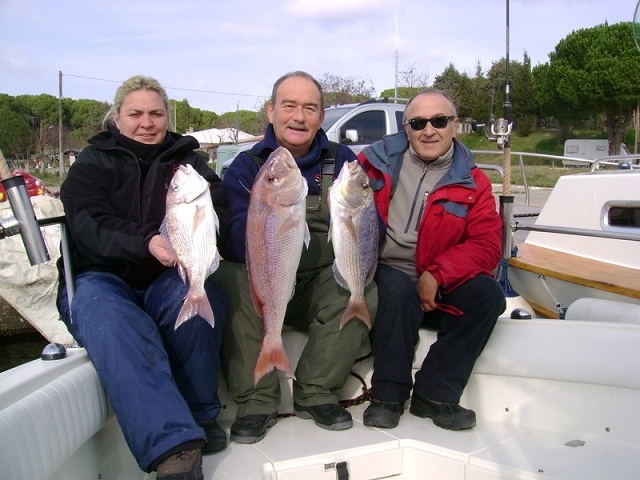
(161, 382)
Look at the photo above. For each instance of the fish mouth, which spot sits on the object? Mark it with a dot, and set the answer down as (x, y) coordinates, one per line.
(284, 156)
(352, 166)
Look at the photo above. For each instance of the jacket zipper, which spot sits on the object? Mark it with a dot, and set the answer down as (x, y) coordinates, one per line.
(415, 202)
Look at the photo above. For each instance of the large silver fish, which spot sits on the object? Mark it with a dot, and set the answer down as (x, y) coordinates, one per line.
(190, 224)
(354, 234)
(276, 232)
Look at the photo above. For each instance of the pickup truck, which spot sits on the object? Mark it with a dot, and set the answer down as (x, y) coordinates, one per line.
(354, 125)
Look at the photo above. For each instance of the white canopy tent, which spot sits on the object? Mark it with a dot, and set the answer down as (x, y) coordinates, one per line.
(216, 136)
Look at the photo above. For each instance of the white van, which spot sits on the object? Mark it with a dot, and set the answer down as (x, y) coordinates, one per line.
(591, 149)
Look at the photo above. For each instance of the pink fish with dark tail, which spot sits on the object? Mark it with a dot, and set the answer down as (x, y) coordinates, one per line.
(276, 233)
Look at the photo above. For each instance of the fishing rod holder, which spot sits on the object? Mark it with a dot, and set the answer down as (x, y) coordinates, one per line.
(24, 221)
(501, 129)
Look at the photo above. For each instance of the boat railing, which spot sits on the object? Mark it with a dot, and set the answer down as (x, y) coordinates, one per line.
(622, 162)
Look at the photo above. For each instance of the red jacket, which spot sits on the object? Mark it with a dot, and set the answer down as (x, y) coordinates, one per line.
(460, 233)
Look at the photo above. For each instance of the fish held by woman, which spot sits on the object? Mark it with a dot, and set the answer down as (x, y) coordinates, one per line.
(191, 224)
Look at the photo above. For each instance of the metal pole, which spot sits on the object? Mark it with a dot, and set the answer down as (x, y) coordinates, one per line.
(507, 101)
(506, 199)
(27, 224)
(61, 154)
(635, 147)
(506, 114)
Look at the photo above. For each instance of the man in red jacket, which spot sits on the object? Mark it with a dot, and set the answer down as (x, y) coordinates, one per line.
(443, 240)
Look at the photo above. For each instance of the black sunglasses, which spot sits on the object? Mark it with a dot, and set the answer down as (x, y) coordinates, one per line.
(421, 123)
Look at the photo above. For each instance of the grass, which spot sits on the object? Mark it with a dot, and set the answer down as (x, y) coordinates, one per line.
(541, 172)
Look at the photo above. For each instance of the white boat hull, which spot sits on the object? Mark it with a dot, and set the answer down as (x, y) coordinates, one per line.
(539, 387)
(554, 399)
(552, 270)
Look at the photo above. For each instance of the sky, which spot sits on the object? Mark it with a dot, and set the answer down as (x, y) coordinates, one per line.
(225, 55)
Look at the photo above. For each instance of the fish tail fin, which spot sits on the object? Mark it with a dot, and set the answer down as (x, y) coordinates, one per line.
(270, 358)
(356, 309)
(195, 305)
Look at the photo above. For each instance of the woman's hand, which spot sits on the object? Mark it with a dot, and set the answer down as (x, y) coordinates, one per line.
(160, 248)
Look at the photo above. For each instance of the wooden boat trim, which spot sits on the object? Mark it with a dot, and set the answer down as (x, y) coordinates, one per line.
(577, 270)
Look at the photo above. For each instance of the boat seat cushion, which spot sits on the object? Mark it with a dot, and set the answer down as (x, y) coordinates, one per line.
(596, 309)
(54, 421)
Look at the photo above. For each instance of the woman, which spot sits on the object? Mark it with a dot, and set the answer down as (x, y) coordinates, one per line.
(161, 381)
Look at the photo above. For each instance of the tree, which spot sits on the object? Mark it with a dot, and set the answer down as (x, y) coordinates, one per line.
(479, 96)
(84, 119)
(412, 77)
(593, 70)
(456, 84)
(340, 90)
(522, 97)
(410, 81)
(243, 120)
(15, 133)
(402, 92)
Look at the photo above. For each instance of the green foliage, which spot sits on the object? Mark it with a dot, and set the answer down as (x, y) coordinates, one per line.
(478, 98)
(15, 138)
(451, 80)
(84, 118)
(591, 71)
(244, 120)
(187, 117)
(403, 92)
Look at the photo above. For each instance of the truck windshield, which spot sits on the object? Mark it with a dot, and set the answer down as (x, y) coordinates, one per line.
(331, 116)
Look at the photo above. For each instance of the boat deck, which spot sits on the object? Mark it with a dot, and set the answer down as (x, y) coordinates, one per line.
(296, 449)
(554, 400)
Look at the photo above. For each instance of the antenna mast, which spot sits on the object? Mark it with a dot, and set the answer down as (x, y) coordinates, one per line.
(395, 89)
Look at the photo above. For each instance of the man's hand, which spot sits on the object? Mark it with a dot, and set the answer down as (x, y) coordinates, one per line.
(160, 248)
(427, 291)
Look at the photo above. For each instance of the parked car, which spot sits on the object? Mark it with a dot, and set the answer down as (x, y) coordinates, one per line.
(358, 125)
(354, 125)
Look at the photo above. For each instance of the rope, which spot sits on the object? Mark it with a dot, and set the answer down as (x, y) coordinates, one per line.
(366, 392)
(351, 402)
(503, 279)
(559, 308)
(360, 399)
